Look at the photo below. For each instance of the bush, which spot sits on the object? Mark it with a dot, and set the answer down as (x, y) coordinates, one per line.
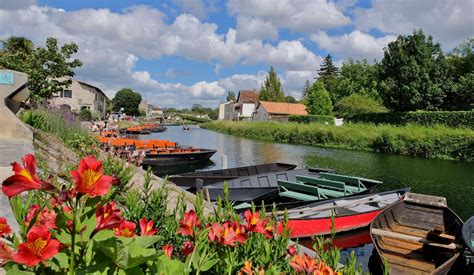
(318, 101)
(413, 140)
(358, 104)
(452, 119)
(311, 118)
(85, 115)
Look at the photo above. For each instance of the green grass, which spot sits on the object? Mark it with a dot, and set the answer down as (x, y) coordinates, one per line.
(413, 140)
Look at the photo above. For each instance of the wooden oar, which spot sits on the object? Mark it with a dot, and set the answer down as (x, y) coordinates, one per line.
(410, 238)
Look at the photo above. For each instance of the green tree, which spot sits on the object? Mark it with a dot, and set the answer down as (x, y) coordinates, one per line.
(328, 74)
(128, 100)
(413, 74)
(358, 104)
(305, 89)
(290, 99)
(230, 96)
(49, 69)
(271, 90)
(318, 101)
(356, 77)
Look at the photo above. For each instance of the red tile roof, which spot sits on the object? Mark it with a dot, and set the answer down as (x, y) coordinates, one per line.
(284, 108)
(248, 96)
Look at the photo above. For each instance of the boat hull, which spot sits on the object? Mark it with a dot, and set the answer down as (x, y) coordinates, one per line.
(172, 158)
(215, 176)
(415, 219)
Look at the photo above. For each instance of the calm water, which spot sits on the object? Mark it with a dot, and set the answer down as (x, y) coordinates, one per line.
(450, 179)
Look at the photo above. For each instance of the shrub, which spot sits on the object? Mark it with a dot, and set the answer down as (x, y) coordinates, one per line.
(318, 101)
(311, 118)
(85, 115)
(452, 119)
(358, 104)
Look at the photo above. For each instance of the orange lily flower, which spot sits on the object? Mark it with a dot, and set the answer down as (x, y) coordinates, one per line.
(89, 179)
(126, 229)
(147, 228)
(5, 229)
(187, 224)
(168, 249)
(39, 247)
(107, 216)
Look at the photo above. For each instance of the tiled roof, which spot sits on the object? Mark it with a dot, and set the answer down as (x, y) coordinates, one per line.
(284, 108)
(248, 96)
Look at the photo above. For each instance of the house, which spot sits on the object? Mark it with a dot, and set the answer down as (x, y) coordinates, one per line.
(145, 108)
(156, 112)
(245, 105)
(277, 111)
(81, 95)
(226, 110)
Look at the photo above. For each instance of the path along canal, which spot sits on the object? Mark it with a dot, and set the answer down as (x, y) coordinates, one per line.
(451, 179)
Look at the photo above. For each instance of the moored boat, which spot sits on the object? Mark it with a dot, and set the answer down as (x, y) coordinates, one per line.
(418, 235)
(468, 234)
(292, 188)
(214, 176)
(176, 155)
(349, 213)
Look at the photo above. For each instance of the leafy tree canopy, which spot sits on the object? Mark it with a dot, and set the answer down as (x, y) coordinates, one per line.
(413, 73)
(317, 100)
(128, 100)
(230, 96)
(290, 99)
(358, 104)
(271, 90)
(48, 68)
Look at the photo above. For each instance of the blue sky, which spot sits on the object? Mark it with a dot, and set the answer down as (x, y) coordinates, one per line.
(180, 52)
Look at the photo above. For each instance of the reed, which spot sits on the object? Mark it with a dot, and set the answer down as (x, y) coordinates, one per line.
(413, 140)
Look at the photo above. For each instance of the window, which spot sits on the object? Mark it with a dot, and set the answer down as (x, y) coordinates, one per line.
(66, 93)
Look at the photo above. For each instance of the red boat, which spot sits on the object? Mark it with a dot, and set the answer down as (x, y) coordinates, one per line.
(349, 213)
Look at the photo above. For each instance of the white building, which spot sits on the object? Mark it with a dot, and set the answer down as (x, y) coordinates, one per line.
(226, 110)
(81, 95)
(245, 106)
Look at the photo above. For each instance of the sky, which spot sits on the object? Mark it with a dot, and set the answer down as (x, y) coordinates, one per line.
(176, 53)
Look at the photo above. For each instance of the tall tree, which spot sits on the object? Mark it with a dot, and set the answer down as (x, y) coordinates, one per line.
(271, 90)
(413, 74)
(290, 99)
(48, 68)
(328, 68)
(305, 89)
(128, 100)
(230, 96)
(317, 100)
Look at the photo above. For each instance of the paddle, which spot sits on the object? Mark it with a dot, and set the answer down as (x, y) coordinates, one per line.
(410, 238)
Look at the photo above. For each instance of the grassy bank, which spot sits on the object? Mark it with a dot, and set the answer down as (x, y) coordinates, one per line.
(413, 140)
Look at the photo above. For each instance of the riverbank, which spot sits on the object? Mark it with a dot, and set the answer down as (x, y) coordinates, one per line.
(413, 140)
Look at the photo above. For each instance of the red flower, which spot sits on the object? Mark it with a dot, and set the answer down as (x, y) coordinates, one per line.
(25, 178)
(187, 248)
(187, 224)
(43, 216)
(253, 222)
(6, 252)
(240, 235)
(5, 229)
(247, 268)
(147, 228)
(107, 216)
(115, 180)
(291, 250)
(88, 178)
(227, 234)
(39, 247)
(168, 249)
(126, 229)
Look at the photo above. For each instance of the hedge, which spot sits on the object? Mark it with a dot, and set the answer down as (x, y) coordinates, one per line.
(452, 119)
(311, 118)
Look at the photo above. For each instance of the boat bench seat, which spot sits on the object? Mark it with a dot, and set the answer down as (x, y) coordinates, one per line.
(298, 191)
(341, 188)
(357, 184)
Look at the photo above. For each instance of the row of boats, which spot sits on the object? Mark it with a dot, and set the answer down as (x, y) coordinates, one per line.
(414, 233)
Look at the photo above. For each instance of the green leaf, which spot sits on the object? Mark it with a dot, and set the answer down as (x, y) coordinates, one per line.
(168, 266)
(15, 270)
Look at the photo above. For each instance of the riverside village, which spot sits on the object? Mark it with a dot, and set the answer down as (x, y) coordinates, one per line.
(237, 137)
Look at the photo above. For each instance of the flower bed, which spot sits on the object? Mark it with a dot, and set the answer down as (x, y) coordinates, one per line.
(86, 226)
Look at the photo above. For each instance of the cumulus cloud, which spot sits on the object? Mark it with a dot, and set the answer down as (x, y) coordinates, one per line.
(355, 44)
(249, 28)
(450, 22)
(302, 15)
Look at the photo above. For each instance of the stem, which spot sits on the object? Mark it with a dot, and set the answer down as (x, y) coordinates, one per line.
(73, 239)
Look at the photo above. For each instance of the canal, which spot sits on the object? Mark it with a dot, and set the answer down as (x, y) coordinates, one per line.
(451, 179)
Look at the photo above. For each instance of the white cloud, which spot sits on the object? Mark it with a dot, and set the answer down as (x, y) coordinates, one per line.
(249, 28)
(355, 44)
(301, 15)
(450, 22)
(170, 73)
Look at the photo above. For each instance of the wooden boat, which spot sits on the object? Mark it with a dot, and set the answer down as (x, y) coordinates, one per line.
(349, 213)
(419, 235)
(214, 176)
(291, 188)
(344, 240)
(176, 155)
(136, 130)
(186, 127)
(468, 234)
